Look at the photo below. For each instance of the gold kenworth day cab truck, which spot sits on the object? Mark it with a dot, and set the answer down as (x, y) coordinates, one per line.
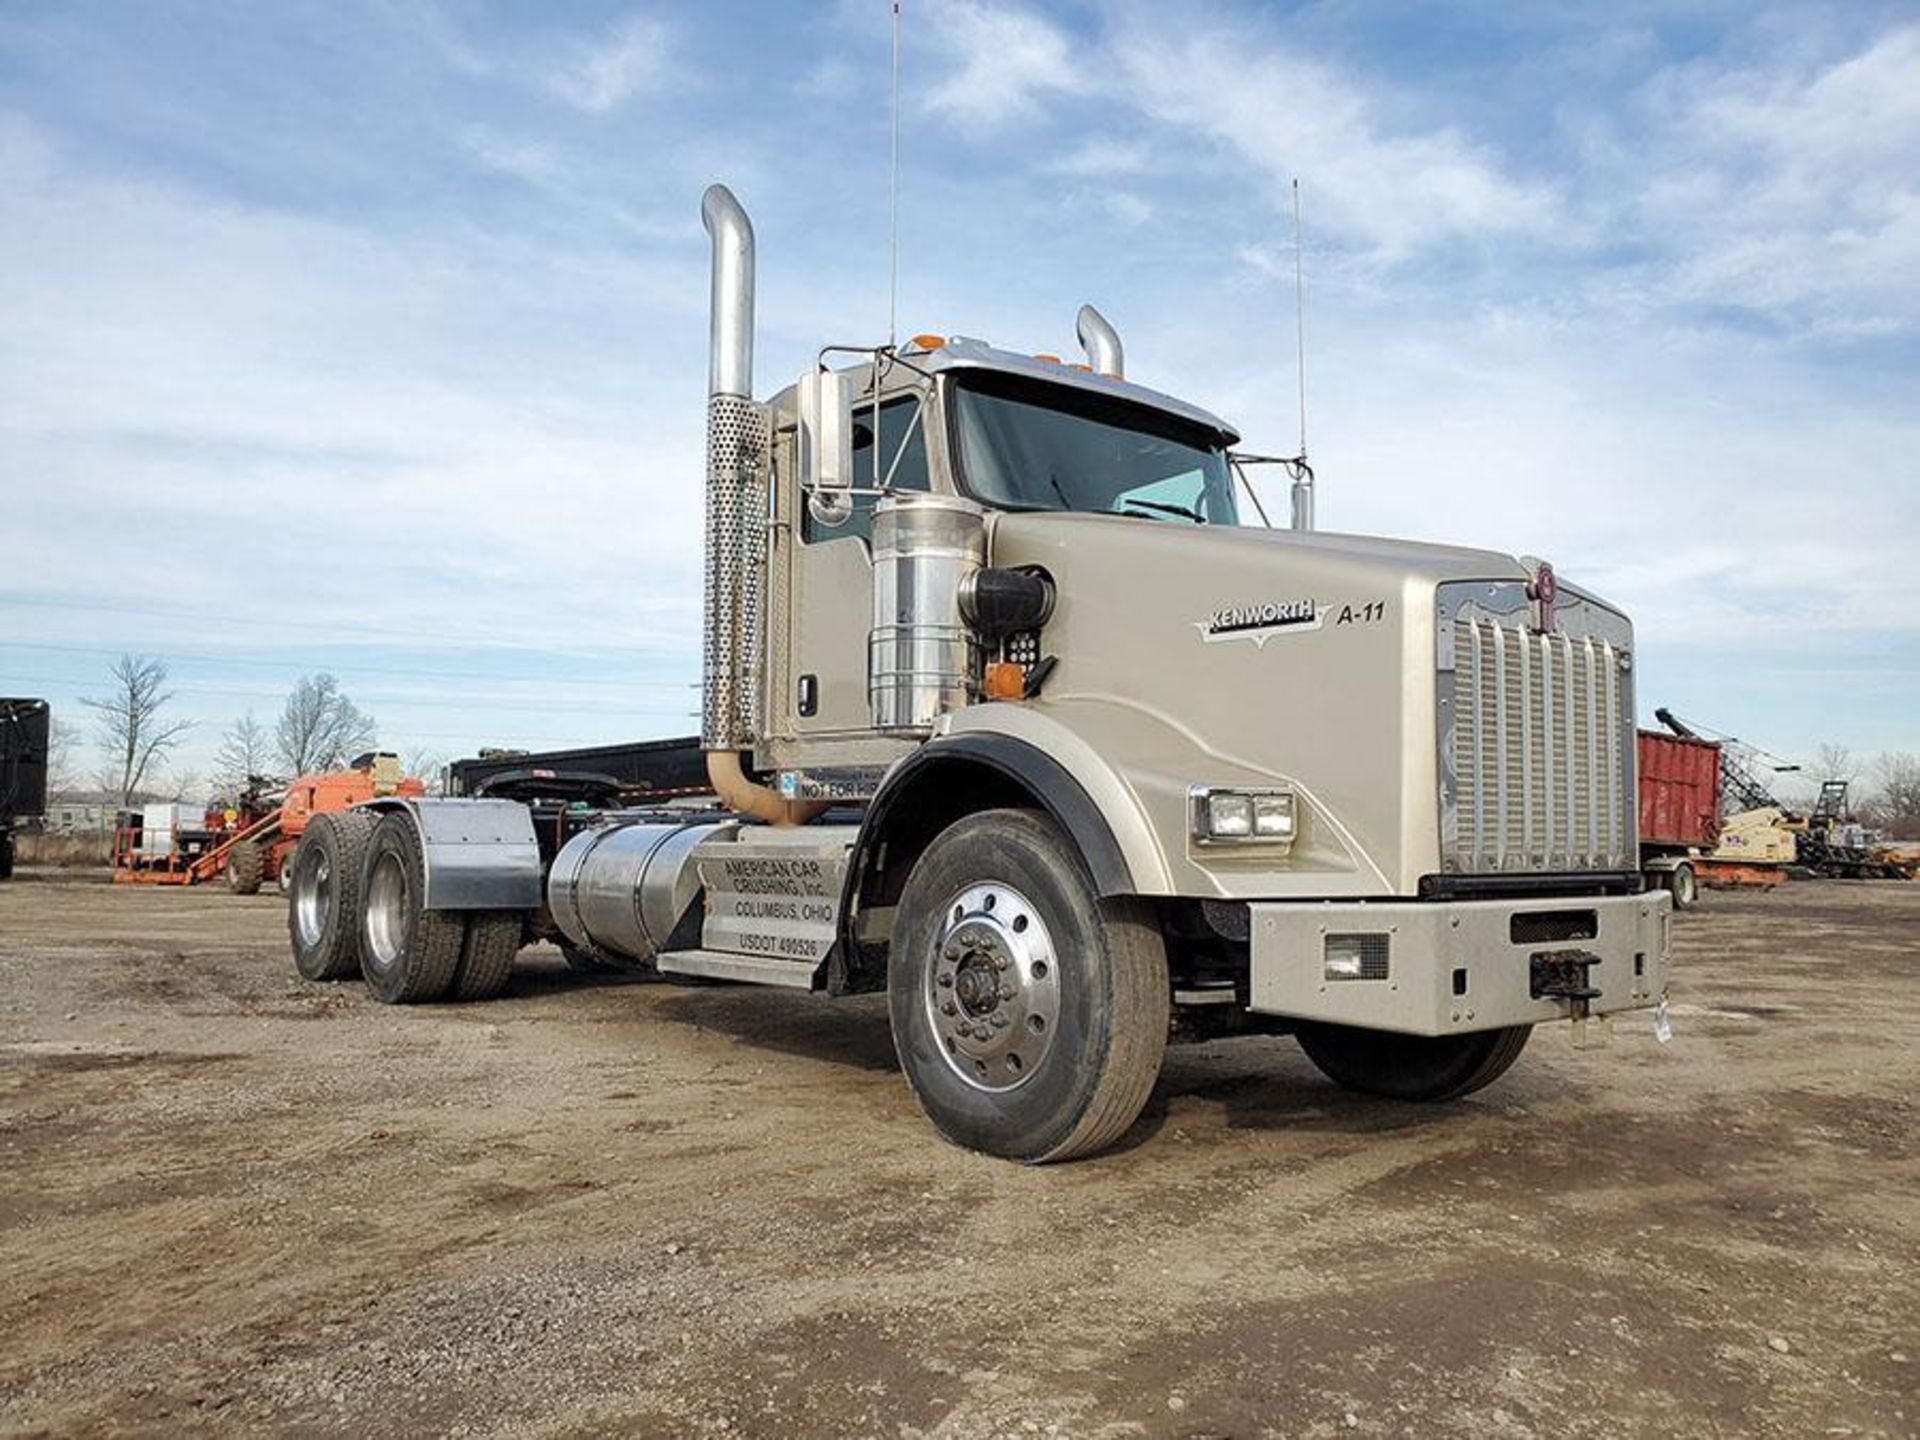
(1007, 714)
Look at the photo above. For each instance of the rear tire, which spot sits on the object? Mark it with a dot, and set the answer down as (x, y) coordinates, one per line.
(486, 960)
(408, 953)
(1412, 1067)
(1030, 1015)
(323, 913)
(1684, 886)
(246, 867)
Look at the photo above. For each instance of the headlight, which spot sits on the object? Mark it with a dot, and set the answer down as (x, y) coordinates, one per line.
(1240, 817)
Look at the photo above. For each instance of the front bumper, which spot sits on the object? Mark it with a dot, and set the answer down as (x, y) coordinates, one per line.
(1445, 968)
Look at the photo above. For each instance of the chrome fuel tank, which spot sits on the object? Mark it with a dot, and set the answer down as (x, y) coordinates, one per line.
(626, 887)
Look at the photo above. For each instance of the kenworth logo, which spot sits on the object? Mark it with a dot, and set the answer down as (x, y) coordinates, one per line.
(1260, 623)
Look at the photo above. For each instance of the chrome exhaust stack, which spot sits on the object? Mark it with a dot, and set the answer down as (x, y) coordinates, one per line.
(736, 523)
(1101, 342)
(736, 447)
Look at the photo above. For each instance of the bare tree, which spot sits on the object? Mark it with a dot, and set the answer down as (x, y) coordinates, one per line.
(320, 728)
(63, 772)
(1896, 807)
(182, 785)
(428, 765)
(1836, 762)
(134, 733)
(246, 750)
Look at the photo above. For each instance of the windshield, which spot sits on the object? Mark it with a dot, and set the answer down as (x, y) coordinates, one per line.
(1033, 446)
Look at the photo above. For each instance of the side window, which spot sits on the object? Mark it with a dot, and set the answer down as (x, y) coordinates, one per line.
(909, 465)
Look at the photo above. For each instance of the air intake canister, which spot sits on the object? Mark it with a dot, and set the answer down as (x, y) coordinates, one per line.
(922, 660)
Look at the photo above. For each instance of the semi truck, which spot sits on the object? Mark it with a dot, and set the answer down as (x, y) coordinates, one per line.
(1009, 715)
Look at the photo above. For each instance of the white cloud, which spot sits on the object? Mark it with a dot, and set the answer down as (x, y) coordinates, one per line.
(1209, 83)
(1101, 157)
(1006, 62)
(603, 75)
(1791, 191)
(1389, 185)
(435, 419)
(524, 160)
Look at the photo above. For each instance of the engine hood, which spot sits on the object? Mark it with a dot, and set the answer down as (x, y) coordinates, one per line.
(1191, 655)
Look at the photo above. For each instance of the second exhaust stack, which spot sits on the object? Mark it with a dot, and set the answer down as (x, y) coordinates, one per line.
(1101, 342)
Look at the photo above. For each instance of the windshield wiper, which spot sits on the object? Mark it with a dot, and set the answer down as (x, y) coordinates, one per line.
(1193, 515)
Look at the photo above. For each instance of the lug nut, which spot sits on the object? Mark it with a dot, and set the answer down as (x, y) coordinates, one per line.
(946, 1007)
(947, 981)
(1006, 992)
(1000, 962)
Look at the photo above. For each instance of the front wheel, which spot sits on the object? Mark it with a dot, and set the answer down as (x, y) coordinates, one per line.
(1684, 886)
(1412, 1067)
(1029, 1014)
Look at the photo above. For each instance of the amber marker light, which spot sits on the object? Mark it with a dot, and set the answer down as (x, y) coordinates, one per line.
(1004, 680)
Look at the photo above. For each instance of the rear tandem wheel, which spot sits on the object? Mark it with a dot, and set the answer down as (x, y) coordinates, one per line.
(323, 910)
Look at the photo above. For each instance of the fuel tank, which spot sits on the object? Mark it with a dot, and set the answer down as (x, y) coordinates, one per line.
(627, 887)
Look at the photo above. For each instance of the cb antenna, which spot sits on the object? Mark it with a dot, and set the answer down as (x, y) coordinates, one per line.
(1302, 471)
(893, 192)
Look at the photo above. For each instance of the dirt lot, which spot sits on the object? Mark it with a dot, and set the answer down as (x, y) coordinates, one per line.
(234, 1201)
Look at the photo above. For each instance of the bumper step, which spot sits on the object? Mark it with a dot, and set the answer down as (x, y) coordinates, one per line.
(747, 969)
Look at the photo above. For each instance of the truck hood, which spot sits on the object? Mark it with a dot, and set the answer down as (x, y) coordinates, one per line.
(1191, 655)
(1412, 557)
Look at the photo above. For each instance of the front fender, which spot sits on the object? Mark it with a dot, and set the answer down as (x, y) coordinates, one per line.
(1137, 768)
(1133, 836)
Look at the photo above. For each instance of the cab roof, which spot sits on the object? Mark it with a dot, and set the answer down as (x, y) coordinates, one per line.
(963, 353)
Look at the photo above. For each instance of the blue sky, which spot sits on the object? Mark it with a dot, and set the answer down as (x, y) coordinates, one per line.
(369, 335)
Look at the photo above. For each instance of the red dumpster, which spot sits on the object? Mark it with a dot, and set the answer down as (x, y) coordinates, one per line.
(1679, 791)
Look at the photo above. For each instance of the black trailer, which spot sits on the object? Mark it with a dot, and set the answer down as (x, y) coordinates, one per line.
(25, 729)
(640, 770)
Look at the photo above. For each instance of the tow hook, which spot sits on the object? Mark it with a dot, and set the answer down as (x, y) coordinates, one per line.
(1562, 975)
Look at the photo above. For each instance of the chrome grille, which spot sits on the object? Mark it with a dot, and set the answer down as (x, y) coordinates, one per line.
(1537, 746)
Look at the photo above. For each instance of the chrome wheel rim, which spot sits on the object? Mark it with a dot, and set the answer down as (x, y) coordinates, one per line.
(993, 989)
(386, 911)
(312, 896)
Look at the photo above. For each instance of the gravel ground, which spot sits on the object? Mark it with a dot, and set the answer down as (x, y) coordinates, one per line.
(233, 1201)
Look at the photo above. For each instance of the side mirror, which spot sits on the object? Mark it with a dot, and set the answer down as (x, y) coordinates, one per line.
(826, 445)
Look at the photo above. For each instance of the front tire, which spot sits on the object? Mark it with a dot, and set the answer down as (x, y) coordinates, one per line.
(1029, 1014)
(1412, 1067)
(1684, 886)
(323, 910)
(408, 953)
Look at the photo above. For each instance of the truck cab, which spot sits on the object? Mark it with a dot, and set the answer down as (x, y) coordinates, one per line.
(1010, 713)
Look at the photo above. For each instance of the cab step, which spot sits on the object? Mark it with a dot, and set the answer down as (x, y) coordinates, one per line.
(748, 969)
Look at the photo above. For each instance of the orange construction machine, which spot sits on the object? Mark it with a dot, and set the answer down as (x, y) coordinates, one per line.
(174, 844)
